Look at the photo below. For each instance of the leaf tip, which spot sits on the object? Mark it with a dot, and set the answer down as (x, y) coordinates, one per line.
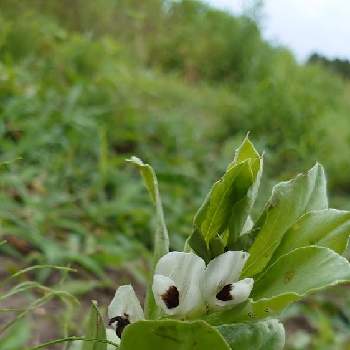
(135, 160)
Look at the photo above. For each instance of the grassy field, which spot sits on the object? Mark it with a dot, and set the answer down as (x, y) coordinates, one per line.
(85, 85)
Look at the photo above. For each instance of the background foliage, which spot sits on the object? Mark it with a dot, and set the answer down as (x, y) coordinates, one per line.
(86, 84)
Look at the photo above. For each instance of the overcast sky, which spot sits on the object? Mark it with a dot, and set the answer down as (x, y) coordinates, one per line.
(304, 26)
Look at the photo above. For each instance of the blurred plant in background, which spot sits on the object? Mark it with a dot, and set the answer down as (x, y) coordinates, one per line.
(86, 84)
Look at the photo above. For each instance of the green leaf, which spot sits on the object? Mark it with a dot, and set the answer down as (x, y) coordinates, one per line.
(240, 218)
(161, 238)
(213, 216)
(161, 243)
(328, 228)
(95, 329)
(245, 151)
(294, 275)
(16, 337)
(289, 201)
(197, 243)
(302, 271)
(228, 203)
(263, 335)
(172, 335)
(251, 310)
(216, 246)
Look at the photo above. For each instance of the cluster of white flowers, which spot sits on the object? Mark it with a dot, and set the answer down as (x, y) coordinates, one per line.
(184, 287)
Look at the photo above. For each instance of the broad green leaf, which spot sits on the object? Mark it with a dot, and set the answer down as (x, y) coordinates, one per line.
(214, 215)
(95, 329)
(302, 271)
(216, 246)
(289, 201)
(263, 335)
(251, 310)
(294, 275)
(197, 243)
(328, 228)
(240, 220)
(228, 203)
(245, 151)
(248, 225)
(161, 238)
(172, 335)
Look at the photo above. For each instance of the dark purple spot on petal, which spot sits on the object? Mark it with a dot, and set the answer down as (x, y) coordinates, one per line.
(171, 297)
(224, 294)
(121, 323)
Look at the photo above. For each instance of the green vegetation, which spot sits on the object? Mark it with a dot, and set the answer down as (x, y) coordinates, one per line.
(342, 67)
(86, 84)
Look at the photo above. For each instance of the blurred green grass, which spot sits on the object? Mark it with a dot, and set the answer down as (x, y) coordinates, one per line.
(86, 84)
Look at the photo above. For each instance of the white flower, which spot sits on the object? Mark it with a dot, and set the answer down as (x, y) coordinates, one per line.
(221, 286)
(124, 309)
(111, 336)
(184, 287)
(176, 284)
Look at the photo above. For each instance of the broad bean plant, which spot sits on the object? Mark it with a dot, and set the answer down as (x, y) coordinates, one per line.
(234, 277)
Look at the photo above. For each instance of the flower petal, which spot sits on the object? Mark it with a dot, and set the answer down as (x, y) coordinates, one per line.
(233, 294)
(111, 336)
(224, 270)
(125, 304)
(182, 272)
(166, 294)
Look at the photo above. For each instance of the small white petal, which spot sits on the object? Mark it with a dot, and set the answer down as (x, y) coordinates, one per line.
(241, 290)
(111, 336)
(186, 271)
(166, 294)
(238, 292)
(125, 302)
(224, 270)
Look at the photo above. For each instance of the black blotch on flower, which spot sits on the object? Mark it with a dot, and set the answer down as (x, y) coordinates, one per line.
(121, 323)
(224, 294)
(171, 297)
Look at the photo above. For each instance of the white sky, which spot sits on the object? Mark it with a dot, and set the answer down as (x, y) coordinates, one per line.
(304, 26)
